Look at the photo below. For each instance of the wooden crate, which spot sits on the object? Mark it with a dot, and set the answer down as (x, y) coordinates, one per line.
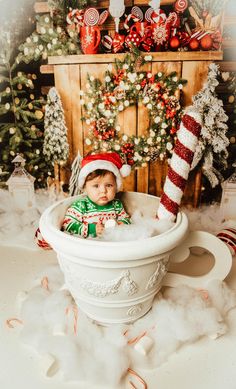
(70, 74)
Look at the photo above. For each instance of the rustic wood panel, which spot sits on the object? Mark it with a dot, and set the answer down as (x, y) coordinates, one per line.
(156, 56)
(195, 73)
(97, 72)
(129, 128)
(77, 130)
(47, 69)
(142, 127)
(158, 169)
(227, 66)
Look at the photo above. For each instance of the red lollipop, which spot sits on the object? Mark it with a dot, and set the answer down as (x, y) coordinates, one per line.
(181, 5)
(91, 17)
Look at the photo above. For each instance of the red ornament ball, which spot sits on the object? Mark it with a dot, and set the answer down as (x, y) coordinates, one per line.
(206, 42)
(174, 43)
(194, 44)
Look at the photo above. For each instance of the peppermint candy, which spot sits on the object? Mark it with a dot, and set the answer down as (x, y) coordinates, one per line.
(91, 17)
(158, 16)
(107, 42)
(136, 11)
(148, 14)
(180, 5)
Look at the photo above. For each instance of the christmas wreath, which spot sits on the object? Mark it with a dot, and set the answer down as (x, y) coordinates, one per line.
(125, 86)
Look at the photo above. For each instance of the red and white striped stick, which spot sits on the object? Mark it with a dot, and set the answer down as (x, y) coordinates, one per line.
(180, 164)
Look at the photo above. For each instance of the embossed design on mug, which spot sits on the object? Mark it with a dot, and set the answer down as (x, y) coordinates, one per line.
(103, 289)
(134, 310)
(159, 273)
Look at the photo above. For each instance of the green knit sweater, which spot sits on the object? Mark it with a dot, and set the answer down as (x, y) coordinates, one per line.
(83, 215)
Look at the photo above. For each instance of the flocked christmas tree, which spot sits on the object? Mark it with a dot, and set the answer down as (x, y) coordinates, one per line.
(212, 147)
(56, 147)
(21, 116)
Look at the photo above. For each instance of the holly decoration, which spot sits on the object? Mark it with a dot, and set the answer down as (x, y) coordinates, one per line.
(121, 88)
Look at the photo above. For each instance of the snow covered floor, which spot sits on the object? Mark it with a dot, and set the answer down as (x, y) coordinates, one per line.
(53, 348)
(202, 362)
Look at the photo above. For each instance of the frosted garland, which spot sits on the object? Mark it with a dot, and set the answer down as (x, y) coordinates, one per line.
(213, 142)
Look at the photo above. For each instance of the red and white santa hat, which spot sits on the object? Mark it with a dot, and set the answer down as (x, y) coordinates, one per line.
(105, 161)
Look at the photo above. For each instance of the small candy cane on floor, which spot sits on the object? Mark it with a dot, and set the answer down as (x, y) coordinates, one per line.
(44, 283)
(204, 294)
(140, 379)
(75, 313)
(136, 339)
(13, 319)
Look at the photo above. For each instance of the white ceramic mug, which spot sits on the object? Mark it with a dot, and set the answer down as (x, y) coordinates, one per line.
(116, 282)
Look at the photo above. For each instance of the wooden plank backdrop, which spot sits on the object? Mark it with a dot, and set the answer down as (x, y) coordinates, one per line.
(71, 77)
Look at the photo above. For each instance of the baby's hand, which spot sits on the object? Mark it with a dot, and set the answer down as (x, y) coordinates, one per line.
(99, 228)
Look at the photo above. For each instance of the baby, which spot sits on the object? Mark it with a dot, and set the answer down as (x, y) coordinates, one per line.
(100, 178)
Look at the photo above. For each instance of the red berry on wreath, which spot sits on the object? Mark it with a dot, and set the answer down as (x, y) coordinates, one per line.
(174, 43)
(173, 130)
(206, 42)
(194, 44)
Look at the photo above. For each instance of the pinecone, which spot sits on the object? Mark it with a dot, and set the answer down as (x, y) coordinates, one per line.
(119, 93)
(151, 93)
(102, 125)
(154, 152)
(139, 62)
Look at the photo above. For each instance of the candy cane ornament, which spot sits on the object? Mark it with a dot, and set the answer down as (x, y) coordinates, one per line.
(228, 236)
(180, 165)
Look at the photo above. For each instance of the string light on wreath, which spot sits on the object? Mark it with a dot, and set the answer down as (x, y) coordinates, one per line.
(125, 86)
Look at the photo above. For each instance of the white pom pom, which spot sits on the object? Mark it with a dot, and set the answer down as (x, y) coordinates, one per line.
(125, 170)
(110, 223)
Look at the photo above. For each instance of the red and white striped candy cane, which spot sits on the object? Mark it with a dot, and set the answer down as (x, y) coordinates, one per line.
(129, 19)
(75, 16)
(180, 164)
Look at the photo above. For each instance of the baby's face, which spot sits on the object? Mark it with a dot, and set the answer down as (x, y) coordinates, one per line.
(102, 189)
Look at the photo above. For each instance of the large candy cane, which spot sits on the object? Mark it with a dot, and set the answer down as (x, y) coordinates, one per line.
(180, 164)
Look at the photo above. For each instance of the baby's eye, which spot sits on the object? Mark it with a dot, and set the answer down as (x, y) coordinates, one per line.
(95, 186)
(109, 185)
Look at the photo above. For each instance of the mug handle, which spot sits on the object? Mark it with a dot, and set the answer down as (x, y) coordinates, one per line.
(221, 253)
(98, 37)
